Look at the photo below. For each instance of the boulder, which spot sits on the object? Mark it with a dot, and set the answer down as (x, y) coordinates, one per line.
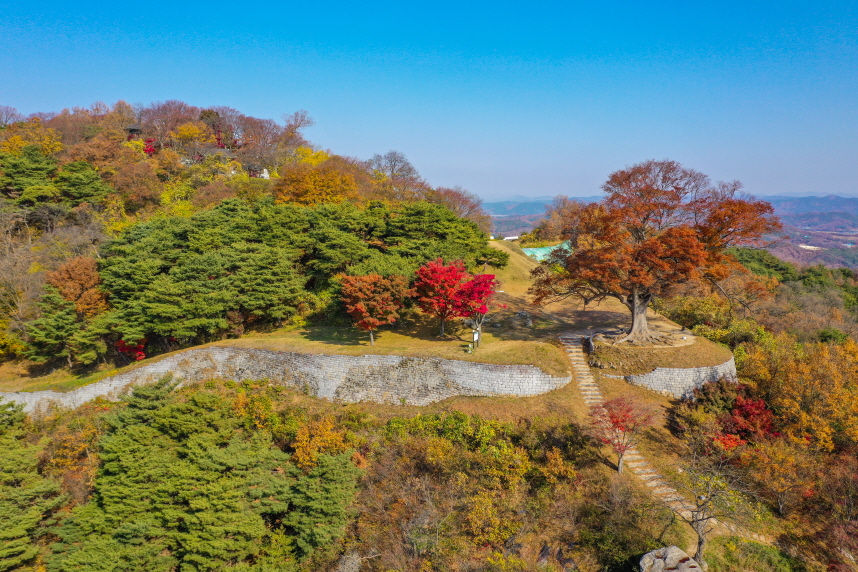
(668, 558)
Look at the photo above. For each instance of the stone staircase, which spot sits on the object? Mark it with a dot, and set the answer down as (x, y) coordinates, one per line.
(633, 459)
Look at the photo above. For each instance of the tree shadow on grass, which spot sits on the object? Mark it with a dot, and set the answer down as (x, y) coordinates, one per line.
(335, 335)
(348, 335)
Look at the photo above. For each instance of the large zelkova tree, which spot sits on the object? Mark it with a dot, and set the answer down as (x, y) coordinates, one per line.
(659, 226)
(373, 300)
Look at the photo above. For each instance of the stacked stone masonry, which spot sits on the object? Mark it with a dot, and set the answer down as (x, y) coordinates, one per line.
(681, 382)
(376, 378)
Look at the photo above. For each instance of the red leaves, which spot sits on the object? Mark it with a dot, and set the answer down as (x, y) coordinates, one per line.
(474, 295)
(437, 288)
(728, 441)
(373, 300)
(448, 291)
(751, 418)
(132, 350)
(618, 421)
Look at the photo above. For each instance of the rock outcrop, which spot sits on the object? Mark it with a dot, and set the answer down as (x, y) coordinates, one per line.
(668, 558)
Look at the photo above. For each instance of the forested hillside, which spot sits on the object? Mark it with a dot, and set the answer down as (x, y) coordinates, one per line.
(128, 231)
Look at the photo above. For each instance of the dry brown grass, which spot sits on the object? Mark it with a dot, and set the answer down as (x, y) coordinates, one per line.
(625, 359)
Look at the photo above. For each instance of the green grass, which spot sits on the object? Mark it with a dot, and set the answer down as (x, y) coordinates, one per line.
(732, 554)
(17, 376)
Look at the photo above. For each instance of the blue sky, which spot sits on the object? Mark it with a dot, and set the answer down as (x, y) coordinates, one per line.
(502, 99)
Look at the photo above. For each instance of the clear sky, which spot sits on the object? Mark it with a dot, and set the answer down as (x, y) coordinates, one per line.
(502, 99)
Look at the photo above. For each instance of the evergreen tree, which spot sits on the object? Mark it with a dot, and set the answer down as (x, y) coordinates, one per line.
(79, 182)
(27, 499)
(184, 484)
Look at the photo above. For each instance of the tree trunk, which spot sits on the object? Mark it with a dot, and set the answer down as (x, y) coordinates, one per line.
(443, 321)
(371, 338)
(639, 332)
(620, 463)
(701, 545)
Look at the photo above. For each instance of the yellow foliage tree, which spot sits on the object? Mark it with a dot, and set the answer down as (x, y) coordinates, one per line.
(309, 156)
(813, 389)
(786, 472)
(309, 185)
(13, 139)
(315, 438)
(192, 132)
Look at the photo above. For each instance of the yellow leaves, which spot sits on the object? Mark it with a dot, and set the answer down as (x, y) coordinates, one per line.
(315, 185)
(556, 468)
(192, 132)
(13, 139)
(114, 217)
(315, 438)
(485, 523)
(136, 145)
(813, 389)
(308, 156)
(10, 345)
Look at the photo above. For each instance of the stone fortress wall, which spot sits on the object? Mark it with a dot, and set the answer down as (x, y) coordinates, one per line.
(681, 382)
(376, 378)
(676, 381)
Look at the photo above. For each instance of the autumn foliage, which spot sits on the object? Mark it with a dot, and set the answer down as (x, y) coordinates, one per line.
(373, 300)
(618, 423)
(447, 291)
(660, 225)
(77, 281)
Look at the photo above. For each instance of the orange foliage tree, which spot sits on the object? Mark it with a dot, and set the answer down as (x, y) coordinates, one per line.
(373, 300)
(660, 225)
(812, 389)
(77, 281)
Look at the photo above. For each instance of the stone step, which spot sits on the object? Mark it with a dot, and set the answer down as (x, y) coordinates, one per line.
(640, 466)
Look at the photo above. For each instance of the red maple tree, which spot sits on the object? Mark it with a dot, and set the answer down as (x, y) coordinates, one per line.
(617, 423)
(373, 300)
(437, 288)
(660, 225)
(447, 291)
(474, 298)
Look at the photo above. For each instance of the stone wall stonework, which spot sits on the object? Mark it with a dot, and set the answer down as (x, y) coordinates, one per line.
(376, 378)
(681, 382)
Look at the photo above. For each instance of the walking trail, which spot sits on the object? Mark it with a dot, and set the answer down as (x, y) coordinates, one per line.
(634, 460)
